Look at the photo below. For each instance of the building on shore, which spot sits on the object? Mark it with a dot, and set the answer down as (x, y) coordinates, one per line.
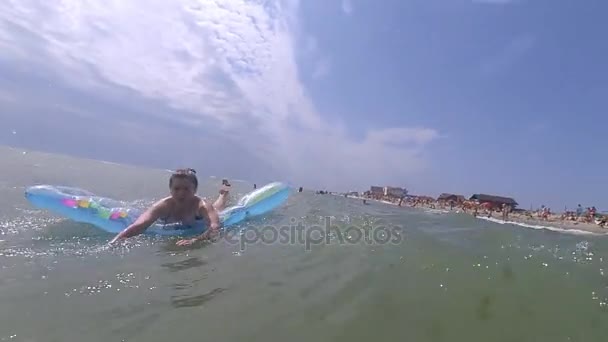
(380, 192)
(420, 198)
(392, 191)
(495, 202)
(376, 190)
(446, 197)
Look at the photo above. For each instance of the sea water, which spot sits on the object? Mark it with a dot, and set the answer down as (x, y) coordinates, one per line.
(442, 276)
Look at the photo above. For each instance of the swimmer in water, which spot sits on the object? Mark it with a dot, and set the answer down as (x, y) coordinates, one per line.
(182, 206)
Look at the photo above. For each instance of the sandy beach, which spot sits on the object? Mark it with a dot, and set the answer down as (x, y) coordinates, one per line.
(525, 218)
(555, 221)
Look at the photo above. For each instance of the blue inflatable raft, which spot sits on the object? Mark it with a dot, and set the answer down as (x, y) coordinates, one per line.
(112, 216)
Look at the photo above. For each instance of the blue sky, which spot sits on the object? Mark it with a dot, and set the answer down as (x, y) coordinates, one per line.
(466, 96)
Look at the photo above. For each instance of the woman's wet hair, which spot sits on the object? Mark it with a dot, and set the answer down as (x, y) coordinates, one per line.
(189, 174)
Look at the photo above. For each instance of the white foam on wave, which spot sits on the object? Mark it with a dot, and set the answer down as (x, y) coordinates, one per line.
(436, 211)
(110, 163)
(539, 227)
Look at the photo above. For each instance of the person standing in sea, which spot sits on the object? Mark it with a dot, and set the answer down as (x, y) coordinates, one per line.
(506, 209)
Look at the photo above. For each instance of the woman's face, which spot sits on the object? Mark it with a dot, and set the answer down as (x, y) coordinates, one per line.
(182, 189)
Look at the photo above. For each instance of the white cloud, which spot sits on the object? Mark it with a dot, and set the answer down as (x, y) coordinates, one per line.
(230, 61)
(347, 7)
(414, 136)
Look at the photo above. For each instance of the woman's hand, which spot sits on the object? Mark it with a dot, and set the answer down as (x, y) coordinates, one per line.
(187, 242)
(114, 240)
(208, 235)
(211, 233)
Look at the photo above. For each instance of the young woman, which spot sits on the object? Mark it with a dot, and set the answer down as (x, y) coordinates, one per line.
(183, 206)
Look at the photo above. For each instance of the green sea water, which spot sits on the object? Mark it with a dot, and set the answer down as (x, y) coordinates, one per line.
(442, 277)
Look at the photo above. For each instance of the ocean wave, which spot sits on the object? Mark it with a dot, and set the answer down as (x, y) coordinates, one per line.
(540, 227)
(436, 211)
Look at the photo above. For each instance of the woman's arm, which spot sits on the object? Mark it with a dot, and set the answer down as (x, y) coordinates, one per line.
(144, 221)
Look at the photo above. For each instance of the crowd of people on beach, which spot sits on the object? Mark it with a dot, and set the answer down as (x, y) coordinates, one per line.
(586, 216)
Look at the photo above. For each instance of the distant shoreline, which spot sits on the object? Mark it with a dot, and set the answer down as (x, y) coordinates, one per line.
(553, 223)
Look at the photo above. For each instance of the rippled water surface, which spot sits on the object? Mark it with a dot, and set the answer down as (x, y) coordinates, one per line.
(444, 277)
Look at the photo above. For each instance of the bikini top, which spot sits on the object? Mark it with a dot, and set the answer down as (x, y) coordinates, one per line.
(166, 219)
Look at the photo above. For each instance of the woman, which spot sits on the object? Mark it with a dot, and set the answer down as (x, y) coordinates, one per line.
(183, 206)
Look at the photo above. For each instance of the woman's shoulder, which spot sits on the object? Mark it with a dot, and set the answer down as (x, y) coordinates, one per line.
(164, 203)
